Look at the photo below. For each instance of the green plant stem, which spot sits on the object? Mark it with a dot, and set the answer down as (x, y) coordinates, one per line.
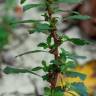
(52, 92)
(54, 35)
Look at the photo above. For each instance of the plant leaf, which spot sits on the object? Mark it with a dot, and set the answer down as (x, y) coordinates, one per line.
(44, 45)
(44, 63)
(69, 1)
(49, 40)
(77, 17)
(3, 37)
(75, 74)
(40, 28)
(29, 6)
(46, 77)
(30, 52)
(71, 64)
(71, 56)
(43, 26)
(45, 67)
(79, 88)
(25, 21)
(37, 68)
(67, 11)
(78, 41)
(12, 70)
(47, 91)
(58, 91)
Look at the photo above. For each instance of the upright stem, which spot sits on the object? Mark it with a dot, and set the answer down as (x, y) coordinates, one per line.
(53, 28)
(56, 39)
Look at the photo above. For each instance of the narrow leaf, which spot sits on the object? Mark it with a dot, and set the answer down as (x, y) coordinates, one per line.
(79, 42)
(69, 1)
(3, 37)
(75, 74)
(29, 6)
(67, 11)
(30, 52)
(71, 64)
(79, 88)
(77, 17)
(40, 28)
(71, 56)
(36, 68)
(25, 21)
(44, 45)
(12, 70)
(43, 26)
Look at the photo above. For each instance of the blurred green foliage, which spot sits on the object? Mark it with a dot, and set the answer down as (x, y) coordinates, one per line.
(5, 20)
(3, 37)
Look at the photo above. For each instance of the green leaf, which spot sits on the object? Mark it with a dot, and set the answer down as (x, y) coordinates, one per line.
(46, 77)
(64, 38)
(52, 68)
(67, 65)
(3, 37)
(54, 62)
(44, 45)
(79, 88)
(77, 17)
(30, 52)
(44, 63)
(71, 64)
(25, 21)
(37, 68)
(40, 28)
(53, 92)
(63, 57)
(64, 54)
(12, 70)
(8, 19)
(43, 26)
(45, 67)
(69, 1)
(29, 6)
(75, 74)
(62, 68)
(78, 41)
(47, 91)
(71, 56)
(74, 56)
(22, 1)
(67, 11)
(9, 4)
(58, 91)
(49, 40)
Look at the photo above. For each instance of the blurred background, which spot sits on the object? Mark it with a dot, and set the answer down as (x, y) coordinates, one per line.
(15, 39)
